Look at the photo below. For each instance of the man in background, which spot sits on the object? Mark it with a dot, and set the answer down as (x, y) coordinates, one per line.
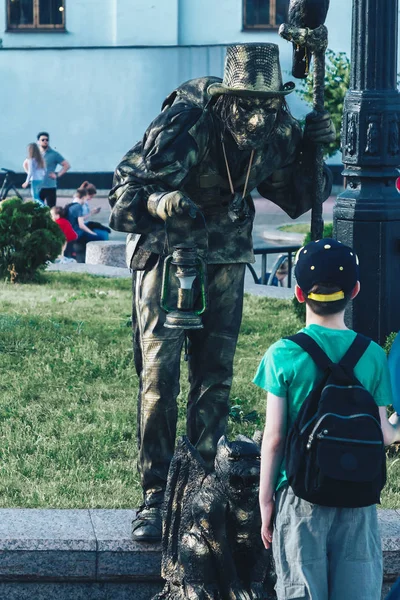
(52, 159)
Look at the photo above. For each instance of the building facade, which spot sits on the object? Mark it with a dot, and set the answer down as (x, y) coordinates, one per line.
(95, 72)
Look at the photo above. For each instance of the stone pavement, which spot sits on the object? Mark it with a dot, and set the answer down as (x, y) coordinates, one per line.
(268, 218)
(107, 271)
(89, 555)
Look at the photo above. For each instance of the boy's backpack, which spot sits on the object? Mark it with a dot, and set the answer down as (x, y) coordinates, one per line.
(335, 454)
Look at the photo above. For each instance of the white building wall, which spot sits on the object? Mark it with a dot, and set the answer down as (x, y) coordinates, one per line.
(161, 23)
(220, 22)
(95, 96)
(96, 104)
(104, 23)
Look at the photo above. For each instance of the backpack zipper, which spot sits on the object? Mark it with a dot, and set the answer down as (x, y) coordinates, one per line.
(345, 387)
(323, 436)
(341, 387)
(312, 434)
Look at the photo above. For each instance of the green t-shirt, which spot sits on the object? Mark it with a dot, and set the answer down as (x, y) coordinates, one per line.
(288, 371)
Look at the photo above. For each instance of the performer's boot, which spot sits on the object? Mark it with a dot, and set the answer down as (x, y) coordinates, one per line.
(147, 524)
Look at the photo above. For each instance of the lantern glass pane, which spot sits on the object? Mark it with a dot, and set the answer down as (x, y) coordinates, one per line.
(186, 282)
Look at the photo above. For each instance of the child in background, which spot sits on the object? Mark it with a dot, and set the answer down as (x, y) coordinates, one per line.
(57, 214)
(36, 170)
(321, 552)
(78, 213)
(91, 191)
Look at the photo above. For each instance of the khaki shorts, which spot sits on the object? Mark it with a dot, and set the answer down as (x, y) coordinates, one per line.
(324, 553)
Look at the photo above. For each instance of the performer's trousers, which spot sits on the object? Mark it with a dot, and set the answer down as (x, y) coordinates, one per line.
(157, 353)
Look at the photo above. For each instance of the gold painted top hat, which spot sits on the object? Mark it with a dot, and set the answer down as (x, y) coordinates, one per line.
(252, 70)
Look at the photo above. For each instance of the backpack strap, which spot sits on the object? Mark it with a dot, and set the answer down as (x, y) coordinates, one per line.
(355, 352)
(309, 345)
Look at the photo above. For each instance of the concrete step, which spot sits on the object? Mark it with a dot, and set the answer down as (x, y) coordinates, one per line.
(73, 554)
(88, 555)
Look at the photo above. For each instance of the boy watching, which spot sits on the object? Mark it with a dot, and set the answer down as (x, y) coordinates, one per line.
(320, 552)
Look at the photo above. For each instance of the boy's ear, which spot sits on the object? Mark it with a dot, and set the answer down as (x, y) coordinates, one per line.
(355, 291)
(299, 294)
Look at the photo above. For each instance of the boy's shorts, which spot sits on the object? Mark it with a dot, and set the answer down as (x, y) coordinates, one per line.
(325, 553)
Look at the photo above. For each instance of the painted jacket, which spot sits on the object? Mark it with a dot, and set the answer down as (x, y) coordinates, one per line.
(182, 150)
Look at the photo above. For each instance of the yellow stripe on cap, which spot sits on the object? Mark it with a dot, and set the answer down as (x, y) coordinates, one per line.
(326, 297)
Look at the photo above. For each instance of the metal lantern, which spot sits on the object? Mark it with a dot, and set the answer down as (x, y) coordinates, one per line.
(188, 267)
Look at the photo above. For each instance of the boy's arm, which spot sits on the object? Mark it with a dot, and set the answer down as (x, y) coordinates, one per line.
(272, 453)
(390, 427)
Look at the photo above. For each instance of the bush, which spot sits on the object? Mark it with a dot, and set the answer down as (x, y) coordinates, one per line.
(28, 239)
(337, 80)
(389, 342)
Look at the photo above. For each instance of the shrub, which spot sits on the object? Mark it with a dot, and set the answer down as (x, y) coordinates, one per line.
(28, 239)
(328, 233)
(337, 80)
(389, 342)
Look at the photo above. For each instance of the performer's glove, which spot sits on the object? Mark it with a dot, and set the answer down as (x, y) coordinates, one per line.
(170, 204)
(319, 128)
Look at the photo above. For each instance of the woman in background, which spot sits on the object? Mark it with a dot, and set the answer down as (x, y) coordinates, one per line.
(78, 211)
(35, 172)
(91, 191)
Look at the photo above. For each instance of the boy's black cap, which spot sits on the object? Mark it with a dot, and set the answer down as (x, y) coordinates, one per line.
(326, 261)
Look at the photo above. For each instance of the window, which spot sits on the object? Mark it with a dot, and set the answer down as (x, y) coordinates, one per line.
(33, 15)
(264, 14)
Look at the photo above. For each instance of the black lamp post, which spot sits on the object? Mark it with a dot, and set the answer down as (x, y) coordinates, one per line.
(367, 213)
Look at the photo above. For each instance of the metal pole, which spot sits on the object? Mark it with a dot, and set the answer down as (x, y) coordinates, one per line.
(317, 223)
(367, 213)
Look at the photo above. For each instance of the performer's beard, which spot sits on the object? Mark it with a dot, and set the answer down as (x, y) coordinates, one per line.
(250, 121)
(253, 132)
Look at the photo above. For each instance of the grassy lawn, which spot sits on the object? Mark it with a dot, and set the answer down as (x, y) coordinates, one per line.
(68, 391)
(297, 228)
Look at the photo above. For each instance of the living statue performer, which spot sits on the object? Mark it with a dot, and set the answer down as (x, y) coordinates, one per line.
(212, 548)
(213, 143)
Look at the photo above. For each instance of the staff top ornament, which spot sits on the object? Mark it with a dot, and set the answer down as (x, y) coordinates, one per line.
(305, 14)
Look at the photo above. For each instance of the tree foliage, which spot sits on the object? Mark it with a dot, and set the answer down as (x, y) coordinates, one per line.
(337, 80)
(28, 239)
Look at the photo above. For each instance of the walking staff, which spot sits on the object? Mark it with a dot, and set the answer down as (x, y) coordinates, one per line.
(306, 29)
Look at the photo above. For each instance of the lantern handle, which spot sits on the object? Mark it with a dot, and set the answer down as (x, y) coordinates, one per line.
(203, 286)
(164, 290)
(195, 212)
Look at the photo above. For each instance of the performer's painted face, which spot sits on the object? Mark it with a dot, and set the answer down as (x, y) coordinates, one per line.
(251, 121)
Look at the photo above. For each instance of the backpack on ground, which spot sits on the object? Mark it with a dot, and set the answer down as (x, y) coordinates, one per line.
(335, 454)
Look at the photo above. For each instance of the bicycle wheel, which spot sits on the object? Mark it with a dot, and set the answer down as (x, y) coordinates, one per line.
(7, 189)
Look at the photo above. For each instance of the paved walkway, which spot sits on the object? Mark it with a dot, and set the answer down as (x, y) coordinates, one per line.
(266, 226)
(268, 216)
(106, 271)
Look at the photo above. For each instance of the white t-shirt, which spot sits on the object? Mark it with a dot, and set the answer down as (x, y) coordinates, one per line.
(35, 173)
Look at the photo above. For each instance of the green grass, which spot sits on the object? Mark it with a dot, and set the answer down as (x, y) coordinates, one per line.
(296, 228)
(68, 391)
